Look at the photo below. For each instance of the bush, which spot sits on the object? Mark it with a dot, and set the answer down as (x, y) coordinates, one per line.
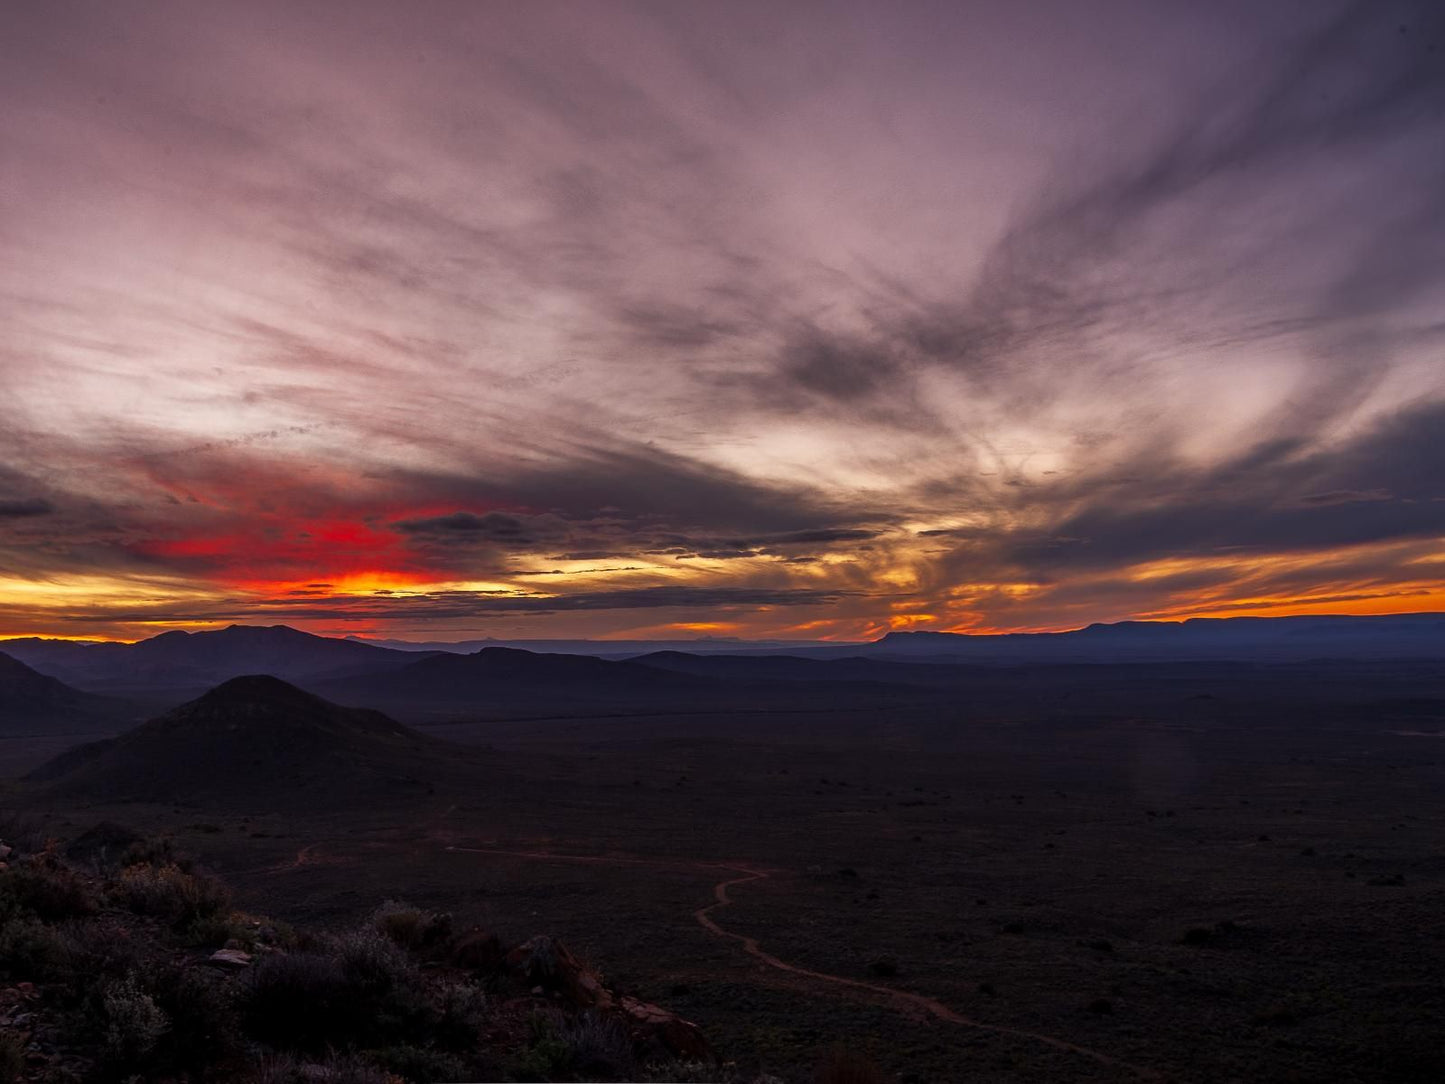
(359, 987)
(461, 1012)
(43, 887)
(154, 851)
(701, 1072)
(215, 930)
(132, 1022)
(372, 963)
(410, 927)
(284, 1069)
(295, 1000)
(419, 1064)
(598, 1046)
(12, 1056)
(170, 893)
(97, 951)
(33, 951)
(201, 1006)
(547, 1055)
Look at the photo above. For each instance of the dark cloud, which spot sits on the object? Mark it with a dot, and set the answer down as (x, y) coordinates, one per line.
(461, 605)
(990, 304)
(1386, 484)
(491, 527)
(25, 508)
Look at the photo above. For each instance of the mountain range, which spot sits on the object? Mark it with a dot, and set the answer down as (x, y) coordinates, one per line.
(198, 660)
(1244, 639)
(77, 684)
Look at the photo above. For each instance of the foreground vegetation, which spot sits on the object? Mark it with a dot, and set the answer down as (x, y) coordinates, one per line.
(122, 961)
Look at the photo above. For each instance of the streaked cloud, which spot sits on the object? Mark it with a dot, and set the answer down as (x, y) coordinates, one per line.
(828, 318)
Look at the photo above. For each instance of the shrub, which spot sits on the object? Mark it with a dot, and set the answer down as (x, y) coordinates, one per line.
(360, 986)
(285, 1069)
(33, 951)
(701, 1072)
(12, 1056)
(461, 1012)
(97, 951)
(215, 930)
(170, 893)
(154, 851)
(132, 1023)
(400, 923)
(201, 1006)
(45, 888)
(295, 1000)
(373, 963)
(598, 1046)
(547, 1055)
(419, 1064)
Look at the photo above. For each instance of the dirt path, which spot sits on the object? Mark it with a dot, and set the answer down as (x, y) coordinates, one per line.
(910, 1004)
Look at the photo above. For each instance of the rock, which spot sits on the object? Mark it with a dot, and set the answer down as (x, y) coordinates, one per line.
(6, 850)
(682, 1038)
(592, 987)
(548, 963)
(229, 959)
(477, 950)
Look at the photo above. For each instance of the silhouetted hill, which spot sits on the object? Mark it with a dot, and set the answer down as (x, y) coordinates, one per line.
(29, 699)
(198, 660)
(1274, 639)
(499, 679)
(602, 649)
(256, 738)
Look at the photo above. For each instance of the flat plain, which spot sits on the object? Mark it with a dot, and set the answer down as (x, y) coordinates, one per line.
(1184, 873)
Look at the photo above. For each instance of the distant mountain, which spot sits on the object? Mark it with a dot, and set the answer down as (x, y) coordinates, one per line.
(597, 675)
(1251, 639)
(30, 700)
(256, 739)
(602, 649)
(499, 680)
(198, 660)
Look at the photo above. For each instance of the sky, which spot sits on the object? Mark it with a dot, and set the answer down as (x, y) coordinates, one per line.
(808, 320)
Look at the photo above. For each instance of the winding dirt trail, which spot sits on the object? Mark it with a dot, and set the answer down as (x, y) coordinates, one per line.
(913, 1005)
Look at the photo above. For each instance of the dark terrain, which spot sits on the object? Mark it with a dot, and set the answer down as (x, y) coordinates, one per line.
(1177, 871)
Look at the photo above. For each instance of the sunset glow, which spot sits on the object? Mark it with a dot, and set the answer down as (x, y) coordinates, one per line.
(754, 323)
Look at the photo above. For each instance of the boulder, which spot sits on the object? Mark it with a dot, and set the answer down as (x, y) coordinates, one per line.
(477, 950)
(548, 963)
(681, 1038)
(229, 959)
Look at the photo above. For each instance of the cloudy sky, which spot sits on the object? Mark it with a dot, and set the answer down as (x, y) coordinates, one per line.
(807, 320)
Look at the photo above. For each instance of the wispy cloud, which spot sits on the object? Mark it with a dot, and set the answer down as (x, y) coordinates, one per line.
(1013, 315)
